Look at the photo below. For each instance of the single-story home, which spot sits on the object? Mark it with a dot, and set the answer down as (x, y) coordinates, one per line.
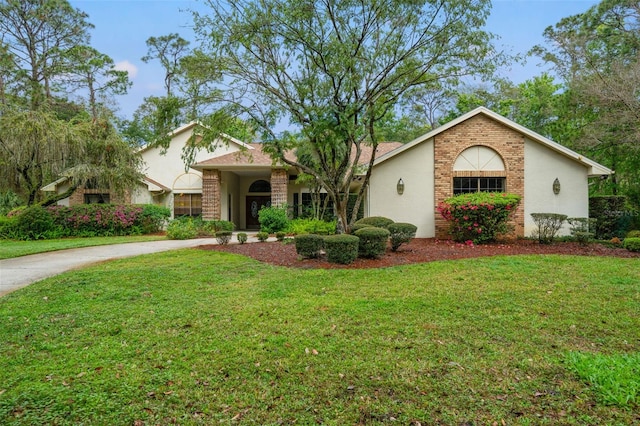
(479, 151)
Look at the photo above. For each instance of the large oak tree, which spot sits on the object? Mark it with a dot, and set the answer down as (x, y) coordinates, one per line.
(324, 73)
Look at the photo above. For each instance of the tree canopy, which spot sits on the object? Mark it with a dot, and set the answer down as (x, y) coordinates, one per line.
(45, 55)
(334, 70)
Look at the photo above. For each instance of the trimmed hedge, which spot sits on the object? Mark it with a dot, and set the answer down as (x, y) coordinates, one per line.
(242, 237)
(357, 226)
(309, 245)
(377, 221)
(341, 248)
(373, 241)
(262, 236)
(632, 244)
(400, 233)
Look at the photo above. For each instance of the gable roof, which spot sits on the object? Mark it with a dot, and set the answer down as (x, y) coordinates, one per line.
(254, 156)
(594, 169)
(189, 127)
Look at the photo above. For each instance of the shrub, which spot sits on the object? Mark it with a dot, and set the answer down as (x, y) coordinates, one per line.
(582, 228)
(280, 235)
(311, 226)
(8, 227)
(479, 217)
(357, 226)
(309, 245)
(400, 233)
(633, 234)
(8, 201)
(223, 237)
(632, 244)
(182, 229)
(273, 219)
(613, 218)
(377, 221)
(91, 220)
(548, 225)
(341, 248)
(242, 237)
(34, 223)
(262, 236)
(153, 218)
(373, 241)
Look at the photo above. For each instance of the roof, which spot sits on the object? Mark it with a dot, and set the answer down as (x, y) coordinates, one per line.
(254, 156)
(594, 169)
(189, 127)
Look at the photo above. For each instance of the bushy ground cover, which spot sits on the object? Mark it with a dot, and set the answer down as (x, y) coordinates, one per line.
(203, 337)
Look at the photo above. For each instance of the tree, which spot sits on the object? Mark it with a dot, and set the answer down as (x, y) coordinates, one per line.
(169, 50)
(44, 47)
(597, 54)
(94, 72)
(332, 70)
(37, 35)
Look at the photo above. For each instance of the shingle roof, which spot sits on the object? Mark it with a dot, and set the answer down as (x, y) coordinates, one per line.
(255, 156)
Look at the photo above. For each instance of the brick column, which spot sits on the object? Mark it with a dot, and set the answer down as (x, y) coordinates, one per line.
(211, 193)
(478, 130)
(279, 181)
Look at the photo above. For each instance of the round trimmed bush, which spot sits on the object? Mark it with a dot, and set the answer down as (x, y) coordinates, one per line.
(373, 241)
(309, 245)
(262, 236)
(632, 244)
(357, 226)
(400, 233)
(377, 221)
(223, 237)
(242, 237)
(341, 248)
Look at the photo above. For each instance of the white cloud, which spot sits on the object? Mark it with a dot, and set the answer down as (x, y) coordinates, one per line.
(128, 67)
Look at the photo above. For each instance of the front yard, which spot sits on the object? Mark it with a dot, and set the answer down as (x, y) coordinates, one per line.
(203, 337)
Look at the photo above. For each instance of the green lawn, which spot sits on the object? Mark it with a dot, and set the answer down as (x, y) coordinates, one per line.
(203, 337)
(11, 248)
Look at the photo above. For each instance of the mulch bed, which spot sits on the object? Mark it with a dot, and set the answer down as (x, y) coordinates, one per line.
(419, 250)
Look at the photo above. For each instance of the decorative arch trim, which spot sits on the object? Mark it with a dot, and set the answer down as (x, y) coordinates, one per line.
(260, 185)
(479, 158)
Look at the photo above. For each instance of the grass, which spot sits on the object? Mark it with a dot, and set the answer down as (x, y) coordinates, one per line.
(12, 248)
(204, 337)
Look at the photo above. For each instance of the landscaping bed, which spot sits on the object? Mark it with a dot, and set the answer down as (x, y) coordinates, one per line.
(419, 250)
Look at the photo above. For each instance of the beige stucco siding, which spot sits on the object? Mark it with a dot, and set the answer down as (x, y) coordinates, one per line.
(541, 167)
(415, 167)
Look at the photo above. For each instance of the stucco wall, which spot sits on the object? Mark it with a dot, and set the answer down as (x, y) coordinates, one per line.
(541, 167)
(416, 204)
(165, 168)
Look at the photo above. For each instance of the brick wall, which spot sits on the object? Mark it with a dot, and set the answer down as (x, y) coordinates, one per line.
(78, 196)
(279, 181)
(211, 202)
(478, 130)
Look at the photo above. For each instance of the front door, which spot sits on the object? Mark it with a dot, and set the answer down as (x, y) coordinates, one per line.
(254, 204)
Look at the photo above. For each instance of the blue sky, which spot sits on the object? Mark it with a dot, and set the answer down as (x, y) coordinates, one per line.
(123, 26)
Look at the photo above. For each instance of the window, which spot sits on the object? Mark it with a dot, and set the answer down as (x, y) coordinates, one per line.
(187, 205)
(260, 186)
(96, 198)
(465, 185)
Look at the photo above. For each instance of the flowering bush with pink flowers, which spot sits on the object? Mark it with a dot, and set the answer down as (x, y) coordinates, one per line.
(479, 217)
(87, 220)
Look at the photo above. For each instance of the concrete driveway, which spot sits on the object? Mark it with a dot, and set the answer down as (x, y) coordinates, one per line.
(21, 271)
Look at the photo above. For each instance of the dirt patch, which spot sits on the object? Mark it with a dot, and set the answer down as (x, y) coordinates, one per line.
(418, 250)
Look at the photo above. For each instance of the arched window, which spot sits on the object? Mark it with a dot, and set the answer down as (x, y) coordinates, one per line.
(478, 169)
(260, 186)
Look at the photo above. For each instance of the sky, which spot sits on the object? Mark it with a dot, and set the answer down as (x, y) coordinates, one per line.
(123, 26)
